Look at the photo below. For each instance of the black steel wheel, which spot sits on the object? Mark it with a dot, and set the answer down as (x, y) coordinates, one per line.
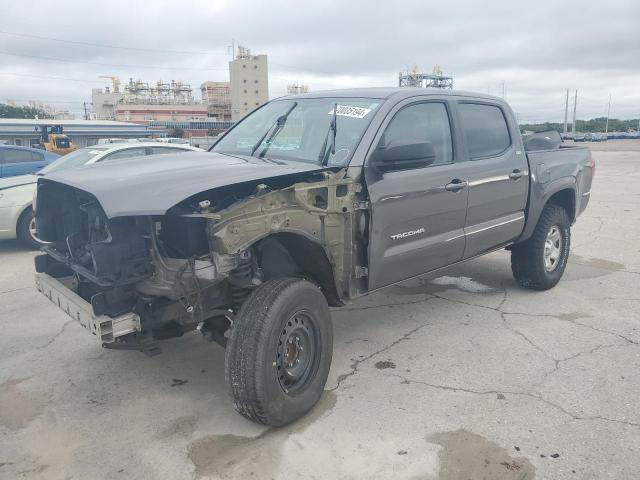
(279, 352)
(297, 356)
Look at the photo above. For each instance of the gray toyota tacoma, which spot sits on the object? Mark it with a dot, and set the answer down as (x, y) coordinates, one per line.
(310, 201)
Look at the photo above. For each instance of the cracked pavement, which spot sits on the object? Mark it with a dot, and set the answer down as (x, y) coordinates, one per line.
(530, 384)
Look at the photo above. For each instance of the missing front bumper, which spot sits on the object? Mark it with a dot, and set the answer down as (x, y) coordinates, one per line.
(106, 328)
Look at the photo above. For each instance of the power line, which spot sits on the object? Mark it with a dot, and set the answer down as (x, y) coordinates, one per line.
(139, 49)
(156, 67)
(291, 67)
(40, 100)
(100, 45)
(52, 77)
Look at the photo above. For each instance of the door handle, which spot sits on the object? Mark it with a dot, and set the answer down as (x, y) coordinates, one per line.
(455, 185)
(515, 175)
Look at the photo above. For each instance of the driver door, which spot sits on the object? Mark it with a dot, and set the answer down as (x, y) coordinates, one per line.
(417, 215)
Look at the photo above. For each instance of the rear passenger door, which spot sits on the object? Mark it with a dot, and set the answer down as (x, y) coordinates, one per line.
(417, 215)
(497, 172)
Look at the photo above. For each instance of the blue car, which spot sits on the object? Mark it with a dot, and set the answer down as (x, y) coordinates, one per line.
(15, 160)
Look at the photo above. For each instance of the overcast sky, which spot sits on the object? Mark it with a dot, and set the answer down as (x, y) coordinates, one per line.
(538, 49)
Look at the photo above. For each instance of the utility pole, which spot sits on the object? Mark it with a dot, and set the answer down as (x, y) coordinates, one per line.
(86, 116)
(573, 124)
(503, 89)
(606, 127)
(566, 112)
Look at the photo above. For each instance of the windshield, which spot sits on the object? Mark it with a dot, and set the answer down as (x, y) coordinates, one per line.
(300, 130)
(73, 159)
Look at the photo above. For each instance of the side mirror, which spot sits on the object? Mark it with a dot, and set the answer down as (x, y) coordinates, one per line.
(403, 155)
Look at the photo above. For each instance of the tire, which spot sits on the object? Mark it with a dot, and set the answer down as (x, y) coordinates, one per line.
(264, 380)
(24, 232)
(532, 262)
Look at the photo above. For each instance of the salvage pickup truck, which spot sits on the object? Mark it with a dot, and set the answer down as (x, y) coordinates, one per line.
(310, 201)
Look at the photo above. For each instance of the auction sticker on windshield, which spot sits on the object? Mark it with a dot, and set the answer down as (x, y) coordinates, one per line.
(349, 111)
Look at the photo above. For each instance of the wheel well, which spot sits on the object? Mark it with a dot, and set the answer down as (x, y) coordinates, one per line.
(566, 199)
(290, 254)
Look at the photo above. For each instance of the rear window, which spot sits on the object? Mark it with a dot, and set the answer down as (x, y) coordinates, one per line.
(162, 150)
(126, 153)
(485, 129)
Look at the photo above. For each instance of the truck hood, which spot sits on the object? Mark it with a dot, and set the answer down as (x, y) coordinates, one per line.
(151, 185)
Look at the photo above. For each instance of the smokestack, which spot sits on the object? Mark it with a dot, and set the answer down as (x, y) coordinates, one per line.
(566, 112)
(575, 103)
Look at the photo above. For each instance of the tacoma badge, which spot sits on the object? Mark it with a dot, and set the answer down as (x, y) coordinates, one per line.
(410, 233)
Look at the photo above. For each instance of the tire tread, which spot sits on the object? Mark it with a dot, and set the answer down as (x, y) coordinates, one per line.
(242, 358)
(526, 264)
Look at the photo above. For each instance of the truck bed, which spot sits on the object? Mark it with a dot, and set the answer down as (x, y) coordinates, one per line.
(550, 170)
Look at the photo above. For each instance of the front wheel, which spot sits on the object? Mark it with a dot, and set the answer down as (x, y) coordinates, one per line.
(539, 262)
(279, 352)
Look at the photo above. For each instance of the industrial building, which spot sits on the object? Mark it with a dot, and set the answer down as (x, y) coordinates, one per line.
(82, 133)
(297, 88)
(140, 101)
(415, 78)
(104, 102)
(217, 97)
(249, 83)
(146, 113)
(173, 102)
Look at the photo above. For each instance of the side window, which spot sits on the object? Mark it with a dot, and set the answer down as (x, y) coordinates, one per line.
(423, 122)
(161, 150)
(127, 153)
(17, 156)
(36, 157)
(485, 129)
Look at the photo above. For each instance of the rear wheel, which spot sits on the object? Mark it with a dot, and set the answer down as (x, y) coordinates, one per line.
(26, 230)
(539, 262)
(279, 352)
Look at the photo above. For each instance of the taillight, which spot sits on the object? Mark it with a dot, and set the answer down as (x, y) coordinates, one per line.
(593, 167)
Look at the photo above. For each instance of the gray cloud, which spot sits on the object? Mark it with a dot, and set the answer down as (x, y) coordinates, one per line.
(538, 50)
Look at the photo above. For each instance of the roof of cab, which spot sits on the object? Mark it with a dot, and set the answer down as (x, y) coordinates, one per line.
(390, 92)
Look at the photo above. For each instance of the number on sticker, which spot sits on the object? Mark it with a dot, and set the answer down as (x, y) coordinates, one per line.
(349, 111)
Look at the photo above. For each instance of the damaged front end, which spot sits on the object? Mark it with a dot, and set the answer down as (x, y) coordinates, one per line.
(136, 279)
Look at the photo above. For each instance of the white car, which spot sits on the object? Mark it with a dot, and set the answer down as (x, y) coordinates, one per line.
(16, 193)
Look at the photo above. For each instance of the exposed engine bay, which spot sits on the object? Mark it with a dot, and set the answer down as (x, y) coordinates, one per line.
(194, 266)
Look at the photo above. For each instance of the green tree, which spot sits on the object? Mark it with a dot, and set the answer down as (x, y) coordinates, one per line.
(10, 111)
(586, 126)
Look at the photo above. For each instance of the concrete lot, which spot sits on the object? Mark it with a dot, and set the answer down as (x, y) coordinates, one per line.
(459, 376)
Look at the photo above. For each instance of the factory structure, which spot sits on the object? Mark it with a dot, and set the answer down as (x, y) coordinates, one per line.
(172, 104)
(217, 97)
(416, 78)
(297, 88)
(139, 101)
